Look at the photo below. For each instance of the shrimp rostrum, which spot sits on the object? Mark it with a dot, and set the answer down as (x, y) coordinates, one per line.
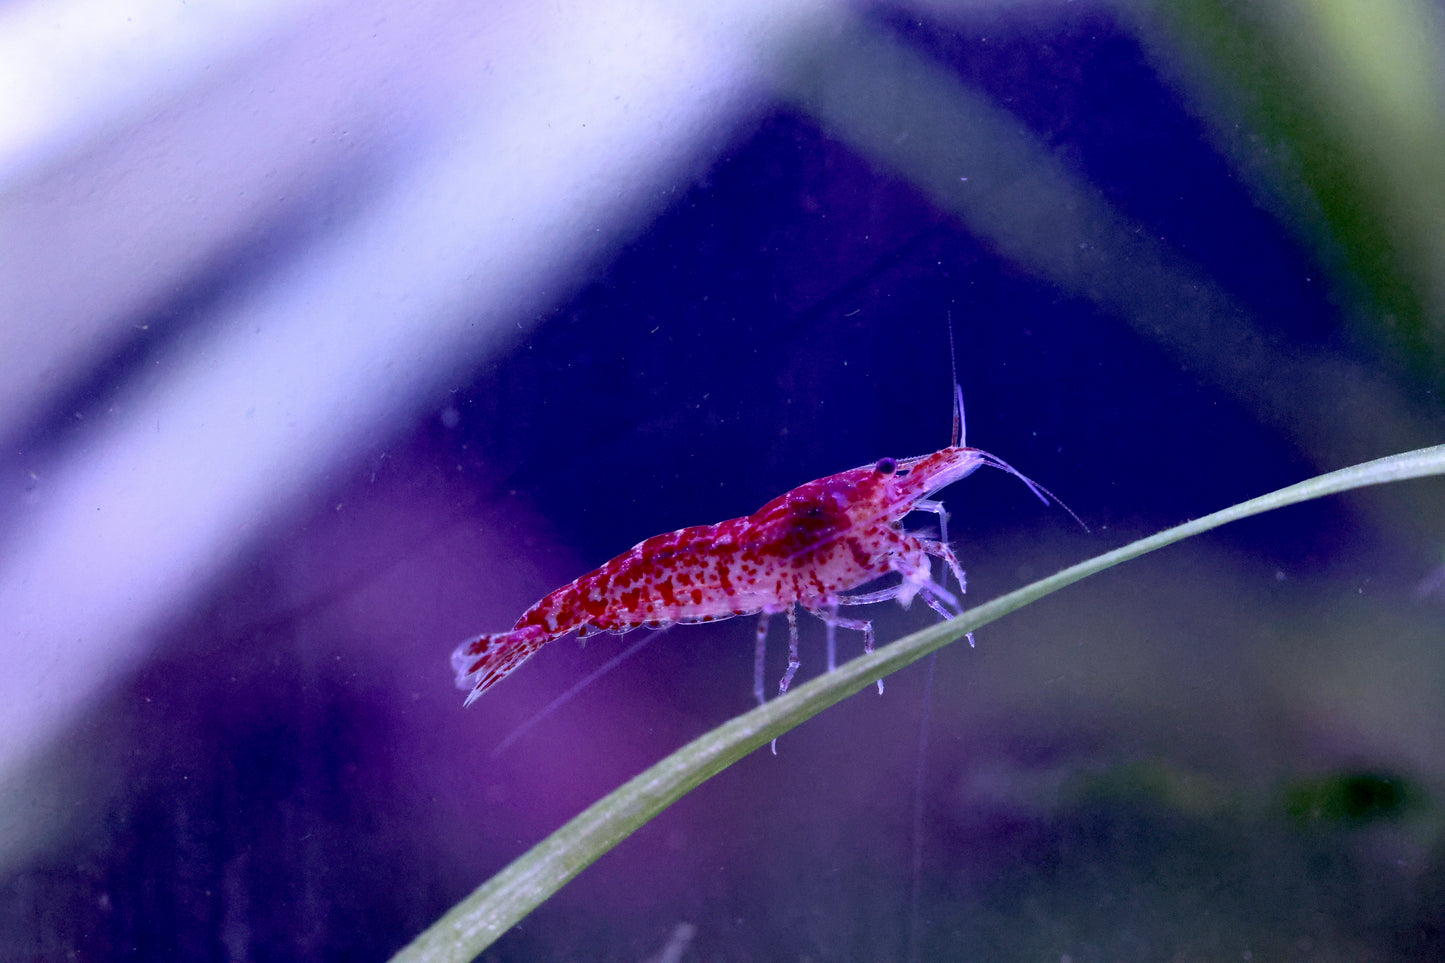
(808, 547)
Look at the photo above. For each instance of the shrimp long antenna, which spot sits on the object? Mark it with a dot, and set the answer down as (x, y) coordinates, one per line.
(958, 425)
(1043, 494)
(959, 430)
(576, 690)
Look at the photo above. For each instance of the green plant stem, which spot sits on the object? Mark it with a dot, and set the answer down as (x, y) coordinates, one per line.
(478, 920)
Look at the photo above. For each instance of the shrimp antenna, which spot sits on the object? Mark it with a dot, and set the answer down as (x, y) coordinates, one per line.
(576, 690)
(1044, 495)
(960, 433)
(959, 430)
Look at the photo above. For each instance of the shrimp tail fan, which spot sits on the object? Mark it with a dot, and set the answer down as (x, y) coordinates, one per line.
(485, 660)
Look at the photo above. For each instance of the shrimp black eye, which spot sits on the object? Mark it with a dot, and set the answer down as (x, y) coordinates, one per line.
(885, 466)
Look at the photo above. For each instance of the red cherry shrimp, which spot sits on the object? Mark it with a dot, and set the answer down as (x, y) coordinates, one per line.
(807, 547)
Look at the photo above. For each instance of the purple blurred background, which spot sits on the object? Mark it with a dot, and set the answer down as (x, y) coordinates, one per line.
(338, 333)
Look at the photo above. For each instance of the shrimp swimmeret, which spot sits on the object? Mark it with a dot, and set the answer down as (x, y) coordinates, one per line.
(806, 547)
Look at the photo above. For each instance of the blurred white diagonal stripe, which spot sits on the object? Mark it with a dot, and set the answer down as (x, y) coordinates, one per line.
(568, 132)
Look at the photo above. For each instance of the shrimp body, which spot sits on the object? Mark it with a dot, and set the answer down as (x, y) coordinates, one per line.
(804, 548)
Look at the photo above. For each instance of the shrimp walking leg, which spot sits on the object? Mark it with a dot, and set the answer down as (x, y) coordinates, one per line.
(830, 617)
(793, 660)
(831, 634)
(760, 655)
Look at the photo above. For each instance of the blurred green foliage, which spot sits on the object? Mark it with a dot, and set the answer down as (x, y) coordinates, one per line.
(1353, 799)
(1346, 97)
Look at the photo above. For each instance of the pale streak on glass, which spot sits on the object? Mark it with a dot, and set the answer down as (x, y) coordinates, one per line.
(69, 69)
